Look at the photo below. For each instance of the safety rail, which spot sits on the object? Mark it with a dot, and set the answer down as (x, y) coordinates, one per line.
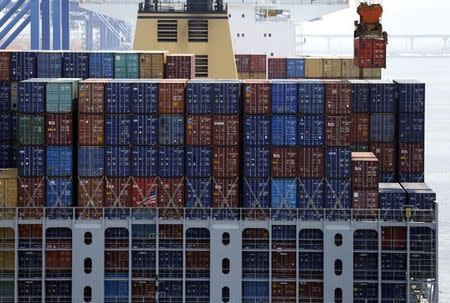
(223, 214)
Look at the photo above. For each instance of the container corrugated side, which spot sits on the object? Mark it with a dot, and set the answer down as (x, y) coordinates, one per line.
(257, 130)
(284, 97)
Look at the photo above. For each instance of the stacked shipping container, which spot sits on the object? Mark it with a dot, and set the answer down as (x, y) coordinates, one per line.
(8, 127)
(365, 180)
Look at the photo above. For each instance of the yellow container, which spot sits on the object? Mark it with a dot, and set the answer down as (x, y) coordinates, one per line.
(349, 70)
(7, 238)
(332, 68)
(371, 73)
(7, 261)
(8, 187)
(313, 68)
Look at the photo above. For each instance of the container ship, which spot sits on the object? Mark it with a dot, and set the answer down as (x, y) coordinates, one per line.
(180, 172)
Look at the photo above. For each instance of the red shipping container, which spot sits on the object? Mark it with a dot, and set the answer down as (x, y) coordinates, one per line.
(338, 130)
(284, 162)
(143, 291)
(117, 192)
(225, 193)
(180, 66)
(171, 231)
(283, 264)
(412, 157)
(91, 192)
(257, 96)
(171, 192)
(310, 162)
(360, 127)
(144, 192)
(198, 129)
(258, 63)
(30, 231)
(5, 66)
(283, 292)
(242, 63)
(386, 155)
(225, 162)
(59, 129)
(31, 191)
(116, 261)
(277, 68)
(393, 238)
(365, 198)
(197, 261)
(57, 260)
(91, 129)
(225, 130)
(91, 96)
(171, 96)
(364, 171)
(338, 97)
(370, 53)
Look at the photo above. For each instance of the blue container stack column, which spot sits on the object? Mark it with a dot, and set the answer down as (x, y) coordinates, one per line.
(360, 134)
(49, 64)
(8, 127)
(75, 65)
(101, 65)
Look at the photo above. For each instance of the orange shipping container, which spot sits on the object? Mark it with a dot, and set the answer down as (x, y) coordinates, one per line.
(151, 65)
(91, 96)
(171, 96)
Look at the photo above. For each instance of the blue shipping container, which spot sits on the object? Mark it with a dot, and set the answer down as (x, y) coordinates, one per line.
(171, 162)
(171, 130)
(284, 193)
(5, 96)
(311, 130)
(198, 192)
(255, 291)
(226, 97)
(338, 193)
(284, 130)
(310, 193)
(23, 66)
(101, 65)
(360, 96)
(49, 65)
(387, 177)
(198, 161)
(284, 97)
(8, 155)
(382, 97)
(412, 177)
(412, 127)
(170, 290)
(420, 195)
(6, 133)
(295, 68)
(116, 291)
(257, 193)
(382, 128)
(75, 65)
(117, 161)
(59, 161)
(91, 161)
(311, 97)
(32, 96)
(145, 130)
(31, 161)
(59, 192)
(391, 196)
(338, 162)
(118, 129)
(257, 130)
(117, 97)
(144, 161)
(199, 96)
(257, 162)
(144, 97)
(411, 96)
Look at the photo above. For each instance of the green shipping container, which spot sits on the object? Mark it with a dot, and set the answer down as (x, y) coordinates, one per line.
(126, 66)
(60, 95)
(31, 130)
(7, 291)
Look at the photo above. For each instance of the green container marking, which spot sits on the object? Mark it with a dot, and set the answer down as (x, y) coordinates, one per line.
(60, 96)
(31, 130)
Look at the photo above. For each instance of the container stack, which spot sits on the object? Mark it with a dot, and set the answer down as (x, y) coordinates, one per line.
(251, 66)
(180, 66)
(277, 68)
(75, 65)
(8, 127)
(49, 64)
(8, 190)
(392, 198)
(364, 180)
(360, 116)
(338, 99)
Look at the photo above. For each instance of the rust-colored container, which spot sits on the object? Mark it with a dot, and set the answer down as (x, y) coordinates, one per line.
(171, 96)
(393, 238)
(257, 97)
(257, 63)
(91, 96)
(311, 290)
(338, 130)
(412, 157)
(180, 66)
(360, 127)
(116, 261)
(338, 97)
(31, 191)
(225, 192)
(284, 162)
(283, 292)
(144, 192)
(242, 63)
(5, 66)
(225, 130)
(30, 231)
(277, 68)
(310, 162)
(58, 130)
(365, 198)
(58, 260)
(198, 129)
(171, 192)
(386, 155)
(283, 265)
(143, 290)
(370, 53)
(225, 162)
(91, 192)
(118, 192)
(151, 64)
(91, 129)
(365, 170)
(197, 261)
(171, 231)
